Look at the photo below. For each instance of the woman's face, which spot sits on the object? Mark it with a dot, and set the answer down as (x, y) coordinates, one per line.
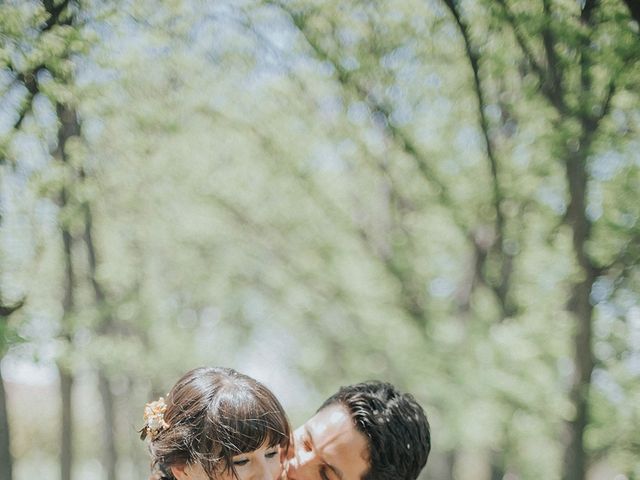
(261, 464)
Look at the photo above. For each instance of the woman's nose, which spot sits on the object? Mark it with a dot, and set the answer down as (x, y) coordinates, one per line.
(266, 474)
(261, 471)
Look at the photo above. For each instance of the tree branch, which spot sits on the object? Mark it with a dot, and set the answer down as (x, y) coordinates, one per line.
(55, 9)
(554, 67)
(551, 92)
(501, 289)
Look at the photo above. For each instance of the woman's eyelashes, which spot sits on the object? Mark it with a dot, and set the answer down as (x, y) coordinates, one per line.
(239, 462)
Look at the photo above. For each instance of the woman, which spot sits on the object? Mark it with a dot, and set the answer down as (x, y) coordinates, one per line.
(216, 424)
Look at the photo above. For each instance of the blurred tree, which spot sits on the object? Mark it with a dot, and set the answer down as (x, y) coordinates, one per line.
(332, 191)
(6, 460)
(578, 73)
(105, 328)
(581, 104)
(42, 38)
(68, 129)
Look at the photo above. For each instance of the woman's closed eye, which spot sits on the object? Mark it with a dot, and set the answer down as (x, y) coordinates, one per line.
(242, 461)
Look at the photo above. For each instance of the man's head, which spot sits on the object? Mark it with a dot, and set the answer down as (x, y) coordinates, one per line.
(367, 431)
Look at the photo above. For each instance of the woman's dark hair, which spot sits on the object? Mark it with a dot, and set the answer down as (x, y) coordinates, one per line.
(212, 415)
(394, 424)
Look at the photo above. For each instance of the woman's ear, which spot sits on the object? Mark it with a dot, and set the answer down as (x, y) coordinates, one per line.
(181, 472)
(190, 471)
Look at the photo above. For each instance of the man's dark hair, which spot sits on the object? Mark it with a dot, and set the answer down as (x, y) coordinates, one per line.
(394, 424)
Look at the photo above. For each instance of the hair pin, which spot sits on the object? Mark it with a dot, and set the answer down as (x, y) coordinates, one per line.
(154, 421)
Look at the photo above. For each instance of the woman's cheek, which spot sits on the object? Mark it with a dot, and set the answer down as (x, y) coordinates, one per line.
(277, 470)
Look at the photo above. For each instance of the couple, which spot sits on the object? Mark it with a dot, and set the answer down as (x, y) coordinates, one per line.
(220, 424)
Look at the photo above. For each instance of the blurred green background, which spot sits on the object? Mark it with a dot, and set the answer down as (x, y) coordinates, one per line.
(442, 194)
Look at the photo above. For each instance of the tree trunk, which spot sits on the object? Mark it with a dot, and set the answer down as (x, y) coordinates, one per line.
(110, 457)
(497, 465)
(575, 464)
(66, 377)
(68, 128)
(6, 462)
(575, 461)
(66, 445)
(575, 457)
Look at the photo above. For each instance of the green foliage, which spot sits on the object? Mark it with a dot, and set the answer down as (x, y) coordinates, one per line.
(304, 191)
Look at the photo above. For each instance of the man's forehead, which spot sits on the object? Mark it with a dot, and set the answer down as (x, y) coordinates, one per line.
(331, 422)
(333, 429)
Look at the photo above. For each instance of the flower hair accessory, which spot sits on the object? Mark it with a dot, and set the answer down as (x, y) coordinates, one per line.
(154, 419)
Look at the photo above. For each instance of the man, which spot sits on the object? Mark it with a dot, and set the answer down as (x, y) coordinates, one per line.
(367, 431)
